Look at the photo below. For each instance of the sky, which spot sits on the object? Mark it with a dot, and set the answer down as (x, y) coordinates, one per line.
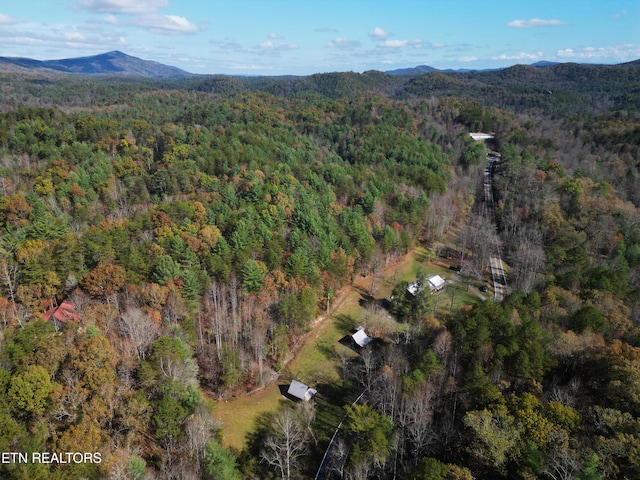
(302, 37)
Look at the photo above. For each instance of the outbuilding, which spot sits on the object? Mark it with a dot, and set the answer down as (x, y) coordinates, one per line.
(481, 136)
(301, 391)
(361, 338)
(436, 283)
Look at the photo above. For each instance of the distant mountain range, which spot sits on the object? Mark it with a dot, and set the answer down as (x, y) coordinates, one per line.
(422, 69)
(110, 63)
(118, 63)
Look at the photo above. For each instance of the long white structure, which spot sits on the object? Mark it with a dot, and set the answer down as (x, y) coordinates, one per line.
(481, 136)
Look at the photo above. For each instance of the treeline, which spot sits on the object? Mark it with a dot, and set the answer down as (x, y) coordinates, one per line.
(559, 89)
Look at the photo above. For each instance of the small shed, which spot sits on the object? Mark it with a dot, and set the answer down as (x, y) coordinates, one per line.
(361, 338)
(436, 283)
(300, 390)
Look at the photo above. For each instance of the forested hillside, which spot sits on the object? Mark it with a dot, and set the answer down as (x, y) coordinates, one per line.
(164, 244)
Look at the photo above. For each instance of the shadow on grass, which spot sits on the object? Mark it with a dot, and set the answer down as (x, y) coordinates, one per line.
(346, 323)
(329, 407)
(328, 417)
(326, 349)
(348, 342)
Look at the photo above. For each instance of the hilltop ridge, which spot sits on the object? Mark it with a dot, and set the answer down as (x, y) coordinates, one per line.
(109, 63)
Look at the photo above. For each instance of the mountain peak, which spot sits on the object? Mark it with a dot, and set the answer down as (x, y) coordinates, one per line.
(543, 64)
(114, 62)
(420, 69)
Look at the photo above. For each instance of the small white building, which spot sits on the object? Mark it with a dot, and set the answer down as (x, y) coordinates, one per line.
(435, 283)
(300, 390)
(361, 338)
(481, 136)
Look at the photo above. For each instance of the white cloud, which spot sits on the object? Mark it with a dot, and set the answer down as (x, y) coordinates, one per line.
(615, 53)
(393, 44)
(251, 67)
(621, 14)
(53, 36)
(124, 6)
(73, 37)
(227, 45)
(269, 46)
(110, 19)
(167, 24)
(343, 43)
(7, 19)
(379, 34)
(274, 36)
(535, 22)
(520, 56)
(468, 59)
(417, 43)
(24, 40)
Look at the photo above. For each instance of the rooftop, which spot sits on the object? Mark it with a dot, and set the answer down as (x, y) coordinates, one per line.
(361, 338)
(300, 390)
(481, 136)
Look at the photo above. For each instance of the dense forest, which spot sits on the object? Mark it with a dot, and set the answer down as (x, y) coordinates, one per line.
(165, 243)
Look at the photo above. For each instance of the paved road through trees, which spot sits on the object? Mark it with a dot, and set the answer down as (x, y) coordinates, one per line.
(497, 269)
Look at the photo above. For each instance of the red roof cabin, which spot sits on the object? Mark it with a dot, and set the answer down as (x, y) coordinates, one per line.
(63, 313)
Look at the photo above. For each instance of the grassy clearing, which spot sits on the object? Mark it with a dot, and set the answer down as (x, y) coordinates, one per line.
(239, 415)
(315, 360)
(318, 359)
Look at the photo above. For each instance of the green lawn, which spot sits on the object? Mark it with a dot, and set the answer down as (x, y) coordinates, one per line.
(239, 415)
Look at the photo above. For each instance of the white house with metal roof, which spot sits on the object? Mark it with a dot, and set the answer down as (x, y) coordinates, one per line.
(435, 283)
(361, 338)
(300, 390)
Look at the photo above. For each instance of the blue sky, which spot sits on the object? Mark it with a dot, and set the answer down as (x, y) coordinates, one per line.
(276, 37)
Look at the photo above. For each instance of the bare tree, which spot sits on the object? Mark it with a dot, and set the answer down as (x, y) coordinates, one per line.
(341, 450)
(200, 428)
(361, 470)
(385, 391)
(306, 412)
(418, 415)
(477, 240)
(175, 308)
(234, 300)
(286, 444)
(443, 347)
(139, 329)
(259, 344)
(443, 212)
(10, 270)
(368, 365)
(215, 301)
(562, 462)
(527, 259)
